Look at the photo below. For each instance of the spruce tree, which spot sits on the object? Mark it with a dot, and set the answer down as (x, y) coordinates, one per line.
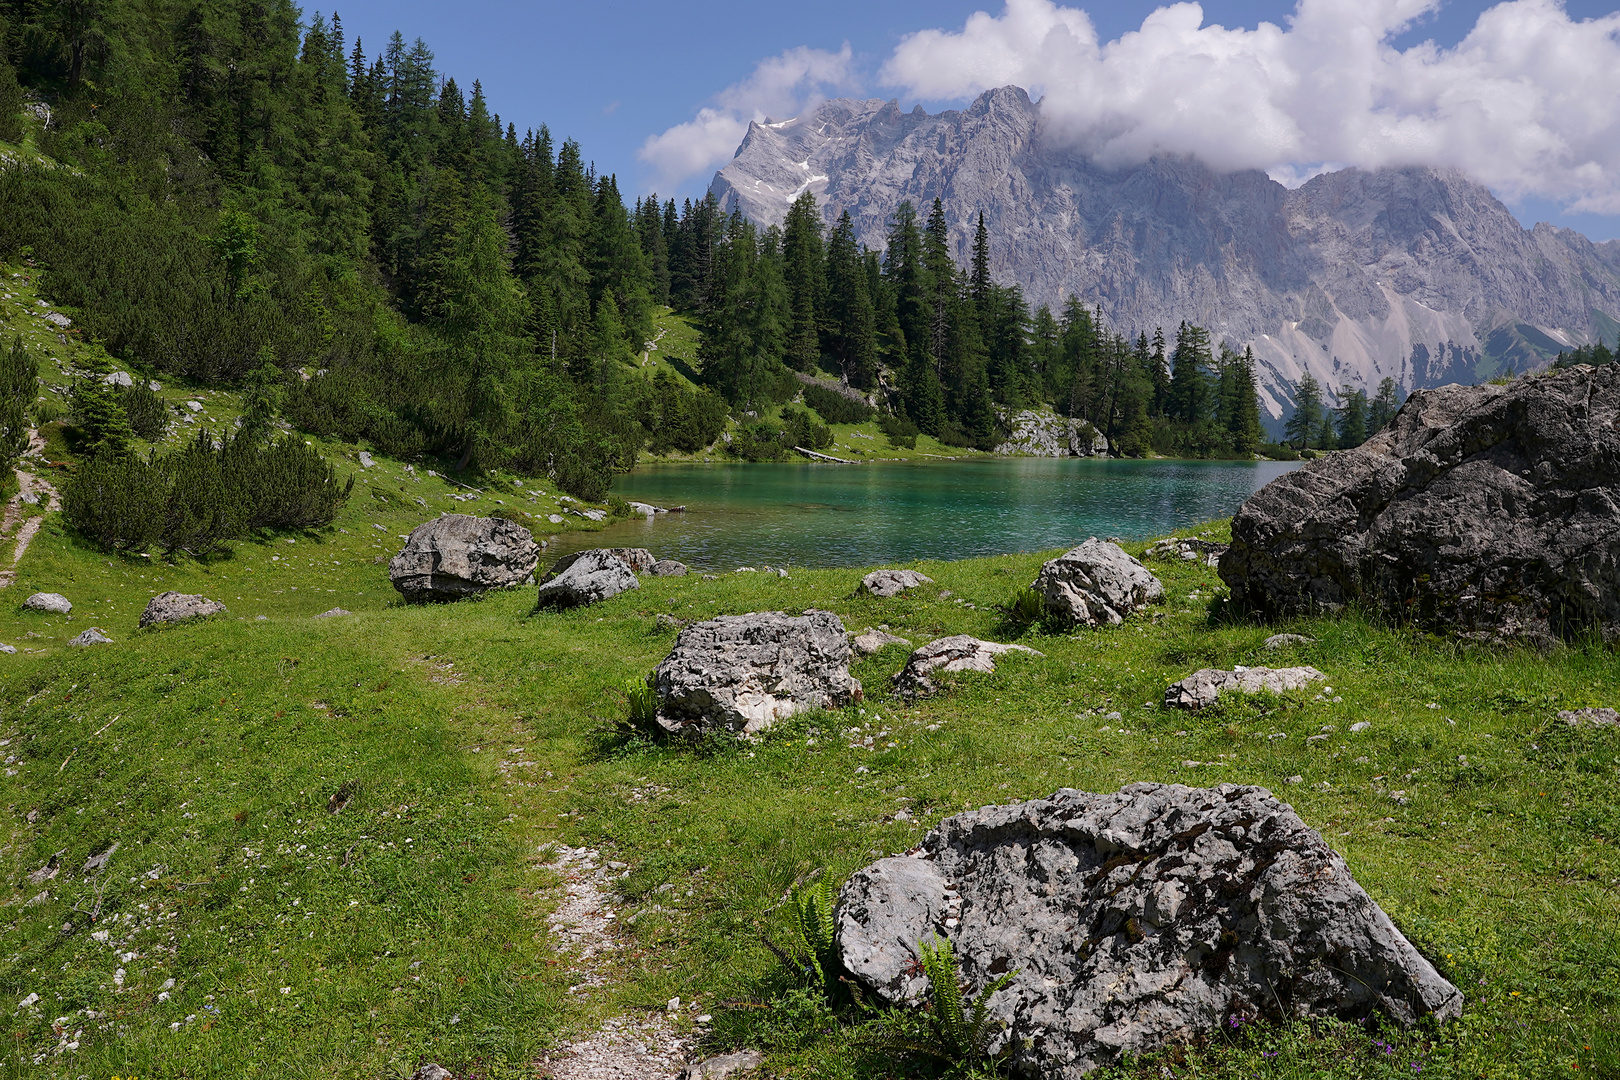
(851, 316)
(1350, 420)
(1190, 391)
(1383, 407)
(804, 265)
(1304, 426)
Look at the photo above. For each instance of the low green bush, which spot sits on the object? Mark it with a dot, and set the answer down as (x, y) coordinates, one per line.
(901, 431)
(835, 408)
(198, 499)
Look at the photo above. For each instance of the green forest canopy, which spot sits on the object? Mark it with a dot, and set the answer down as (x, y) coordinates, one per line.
(248, 188)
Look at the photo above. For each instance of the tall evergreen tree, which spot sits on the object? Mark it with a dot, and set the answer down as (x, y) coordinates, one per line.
(1304, 427)
(804, 265)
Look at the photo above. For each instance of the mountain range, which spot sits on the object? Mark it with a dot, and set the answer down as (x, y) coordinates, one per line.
(1415, 273)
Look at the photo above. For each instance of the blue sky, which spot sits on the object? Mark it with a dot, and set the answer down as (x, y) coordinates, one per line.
(613, 74)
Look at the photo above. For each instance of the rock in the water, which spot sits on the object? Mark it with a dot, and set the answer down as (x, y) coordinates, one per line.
(1096, 584)
(1182, 549)
(1133, 920)
(49, 602)
(331, 613)
(892, 582)
(173, 607)
(1589, 717)
(1045, 434)
(1489, 510)
(1200, 689)
(1286, 641)
(647, 509)
(457, 555)
(745, 672)
(639, 560)
(869, 641)
(960, 652)
(724, 1066)
(667, 568)
(588, 577)
(92, 636)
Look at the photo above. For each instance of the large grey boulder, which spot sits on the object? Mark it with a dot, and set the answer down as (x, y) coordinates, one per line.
(173, 607)
(48, 602)
(745, 672)
(92, 636)
(959, 652)
(1096, 584)
(1489, 510)
(889, 582)
(667, 568)
(588, 578)
(1135, 919)
(458, 555)
(639, 560)
(1201, 689)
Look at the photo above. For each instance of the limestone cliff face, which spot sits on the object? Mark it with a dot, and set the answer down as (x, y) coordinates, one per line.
(1415, 273)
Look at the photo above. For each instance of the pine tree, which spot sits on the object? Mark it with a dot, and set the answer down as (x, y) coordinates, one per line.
(981, 281)
(1304, 427)
(1384, 406)
(851, 317)
(1190, 392)
(805, 269)
(1241, 404)
(1350, 420)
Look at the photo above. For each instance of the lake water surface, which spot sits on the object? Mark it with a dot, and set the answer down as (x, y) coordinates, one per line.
(805, 514)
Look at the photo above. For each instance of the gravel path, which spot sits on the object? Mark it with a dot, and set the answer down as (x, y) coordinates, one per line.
(624, 1048)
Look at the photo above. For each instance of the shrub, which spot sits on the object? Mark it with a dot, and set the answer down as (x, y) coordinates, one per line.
(835, 408)
(148, 417)
(641, 707)
(99, 420)
(679, 419)
(201, 497)
(757, 441)
(901, 431)
(956, 1031)
(801, 429)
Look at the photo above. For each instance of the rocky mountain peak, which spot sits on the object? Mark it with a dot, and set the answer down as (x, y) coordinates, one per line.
(1414, 273)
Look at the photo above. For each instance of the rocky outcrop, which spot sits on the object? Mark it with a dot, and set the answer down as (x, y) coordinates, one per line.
(1133, 920)
(1044, 434)
(1416, 273)
(639, 560)
(869, 641)
(960, 652)
(745, 672)
(1095, 584)
(888, 582)
(92, 636)
(1182, 549)
(1201, 689)
(587, 577)
(667, 568)
(174, 607)
(457, 555)
(49, 603)
(1493, 511)
(1602, 717)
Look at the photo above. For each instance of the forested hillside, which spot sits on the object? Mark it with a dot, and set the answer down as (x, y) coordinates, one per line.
(236, 194)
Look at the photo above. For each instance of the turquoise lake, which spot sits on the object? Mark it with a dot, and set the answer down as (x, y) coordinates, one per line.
(804, 514)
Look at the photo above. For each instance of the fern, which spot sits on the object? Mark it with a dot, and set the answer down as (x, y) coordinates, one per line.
(813, 952)
(1027, 606)
(641, 704)
(958, 1032)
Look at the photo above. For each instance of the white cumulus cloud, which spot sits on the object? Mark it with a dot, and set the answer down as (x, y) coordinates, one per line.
(1525, 103)
(779, 87)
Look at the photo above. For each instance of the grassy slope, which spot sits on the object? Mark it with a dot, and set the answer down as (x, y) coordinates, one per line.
(471, 735)
(410, 925)
(677, 354)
